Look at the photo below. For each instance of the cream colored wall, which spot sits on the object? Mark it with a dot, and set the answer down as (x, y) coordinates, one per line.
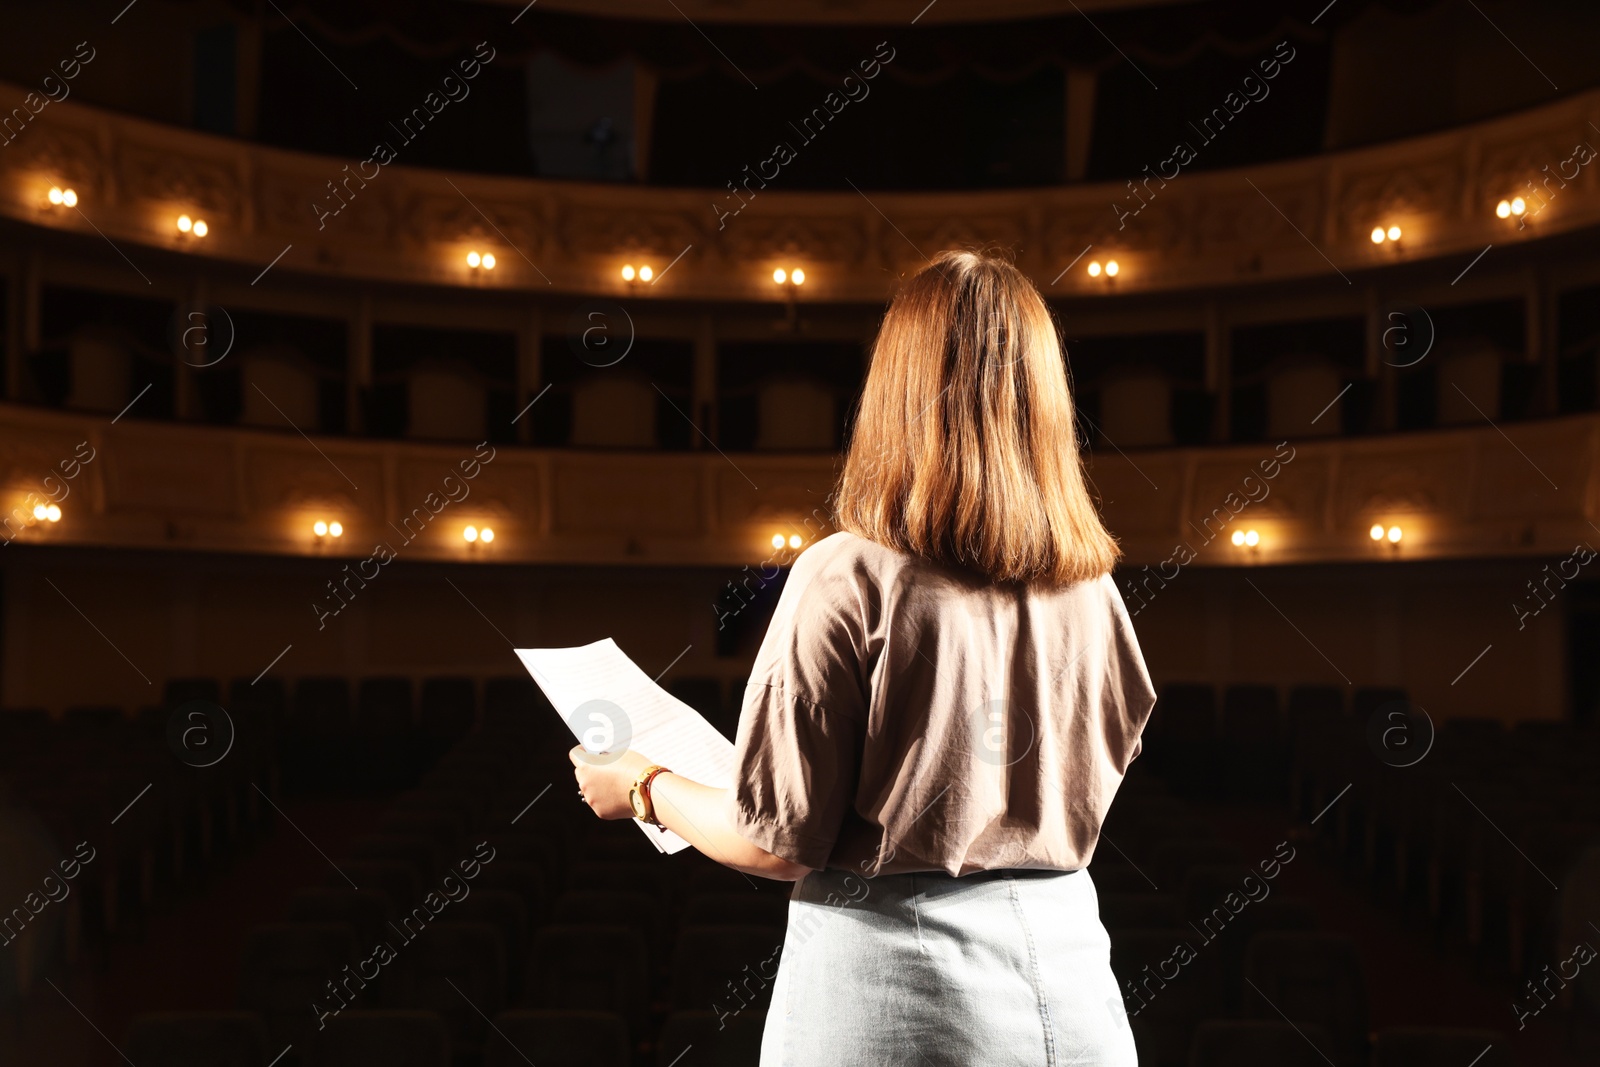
(172, 615)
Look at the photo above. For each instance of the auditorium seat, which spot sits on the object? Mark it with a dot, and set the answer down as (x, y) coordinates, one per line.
(385, 730)
(1182, 735)
(447, 714)
(198, 1039)
(506, 912)
(603, 966)
(396, 879)
(1230, 1043)
(1165, 997)
(512, 704)
(703, 1038)
(380, 1037)
(1433, 1046)
(1310, 977)
(746, 908)
(318, 732)
(558, 1038)
(639, 912)
(426, 859)
(525, 880)
(707, 960)
(1139, 911)
(1172, 858)
(286, 969)
(1254, 759)
(365, 911)
(456, 969)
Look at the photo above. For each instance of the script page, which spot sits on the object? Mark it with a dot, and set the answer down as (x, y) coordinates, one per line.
(610, 705)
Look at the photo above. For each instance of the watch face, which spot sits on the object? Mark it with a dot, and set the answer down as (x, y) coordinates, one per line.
(636, 802)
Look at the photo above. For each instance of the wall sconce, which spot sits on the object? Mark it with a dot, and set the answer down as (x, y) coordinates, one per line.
(1392, 534)
(324, 529)
(62, 197)
(644, 273)
(1248, 540)
(797, 276)
(1516, 206)
(1380, 235)
(196, 227)
(486, 261)
(1110, 269)
(47, 513)
(474, 535)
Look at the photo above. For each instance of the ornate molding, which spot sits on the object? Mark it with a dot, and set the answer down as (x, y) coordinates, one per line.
(1297, 219)
(1460, 493)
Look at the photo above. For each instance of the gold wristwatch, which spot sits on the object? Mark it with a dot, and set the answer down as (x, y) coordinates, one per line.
(639, 796)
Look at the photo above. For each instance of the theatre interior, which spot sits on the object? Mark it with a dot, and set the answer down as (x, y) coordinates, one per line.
(349, 347)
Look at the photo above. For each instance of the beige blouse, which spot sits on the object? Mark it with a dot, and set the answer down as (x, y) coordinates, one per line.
(905, 716)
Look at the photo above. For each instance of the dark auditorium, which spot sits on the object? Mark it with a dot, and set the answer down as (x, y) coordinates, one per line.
(832, 533)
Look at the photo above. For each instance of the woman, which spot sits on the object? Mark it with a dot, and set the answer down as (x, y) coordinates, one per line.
(945, 702)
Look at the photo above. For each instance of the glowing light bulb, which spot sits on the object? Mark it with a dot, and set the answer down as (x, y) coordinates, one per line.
(185, 224)
(200, 228)
(646, 273)
(777, 540)
(1394, 233)
(794, 541)
(1376, 531)
(319, 528)
(53, 513)
(780, 276)
(1112, 268)
(797, 276)
(1377, 235)
(486, 535)
(336, 529)
(1394, 535)
(1518, 205)
(56, 195)
(473, 259)
(488, 261)
(40, 511)
(1238, 537)
(1251, 538)
(627, 272)
(1503, 209)
(69, 198)
(470, 533)
(1094, 269)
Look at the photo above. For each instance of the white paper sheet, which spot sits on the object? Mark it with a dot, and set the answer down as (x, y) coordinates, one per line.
(612, 705)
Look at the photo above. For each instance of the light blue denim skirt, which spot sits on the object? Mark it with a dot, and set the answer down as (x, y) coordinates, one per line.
(999, 968)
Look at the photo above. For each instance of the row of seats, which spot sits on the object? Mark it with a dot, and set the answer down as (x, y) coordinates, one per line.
(1219, 966)
(565, 916)
(1492, 835)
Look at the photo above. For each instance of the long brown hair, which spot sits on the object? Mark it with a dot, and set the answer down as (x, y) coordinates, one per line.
(963, 449)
